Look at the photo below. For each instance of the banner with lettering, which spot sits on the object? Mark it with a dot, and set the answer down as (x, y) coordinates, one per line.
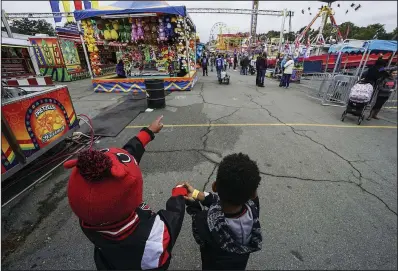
(47, 52)
(40, 120)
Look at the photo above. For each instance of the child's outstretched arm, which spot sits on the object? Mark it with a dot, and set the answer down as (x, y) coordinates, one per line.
(136, 145)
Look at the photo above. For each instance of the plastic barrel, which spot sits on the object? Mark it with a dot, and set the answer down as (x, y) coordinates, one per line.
(155, 93)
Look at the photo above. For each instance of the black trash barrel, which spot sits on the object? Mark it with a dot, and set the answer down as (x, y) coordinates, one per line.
(155, 93)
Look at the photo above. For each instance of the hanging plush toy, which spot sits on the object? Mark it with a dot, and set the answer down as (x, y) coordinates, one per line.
(122, 33)
(134, 35)
(140, 31)
(147, 54)
(100, 30)
(162, 36)
(127, 32)
(107, 31)
(114, 34)
(147, 30)
(178, 28)
(169, 29)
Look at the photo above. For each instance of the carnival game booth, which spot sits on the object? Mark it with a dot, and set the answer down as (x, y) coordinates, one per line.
(58, 58)
(154, 41)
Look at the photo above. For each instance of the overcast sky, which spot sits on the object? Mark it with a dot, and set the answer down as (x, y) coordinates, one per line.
(384, 12)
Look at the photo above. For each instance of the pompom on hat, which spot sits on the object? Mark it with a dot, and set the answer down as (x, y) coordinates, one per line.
(105, 186)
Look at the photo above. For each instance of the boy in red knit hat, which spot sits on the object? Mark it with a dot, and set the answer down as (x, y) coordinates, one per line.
(105, 192)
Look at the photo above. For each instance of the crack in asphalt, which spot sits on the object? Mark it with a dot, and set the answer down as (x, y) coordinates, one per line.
(359, 177)
(303, 178)
(208, 178)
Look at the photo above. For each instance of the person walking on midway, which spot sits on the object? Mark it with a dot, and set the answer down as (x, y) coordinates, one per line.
(219, 65)
(212, 60)
(258, 70)
(235, 61)
(262, 67)
(204, 66)
(288, 70)
(246, 62)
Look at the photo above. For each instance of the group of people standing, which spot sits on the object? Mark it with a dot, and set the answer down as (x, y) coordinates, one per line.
(222, 62)
(285, 66)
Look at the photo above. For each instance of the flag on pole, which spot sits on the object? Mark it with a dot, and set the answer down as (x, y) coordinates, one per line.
(78, 4)
(55, 8)
(94, 4)
(87, 4)
(66, 5)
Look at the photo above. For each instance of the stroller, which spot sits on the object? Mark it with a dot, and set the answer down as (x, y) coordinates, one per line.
(359, 100)
(252, 69)
(224, 77)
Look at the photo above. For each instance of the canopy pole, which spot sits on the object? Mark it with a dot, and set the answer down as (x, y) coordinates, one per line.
(84, 50)
(360, 63)
(337, 62)
(327, 63)
(391, 58)
(346, 61)
(5, 23)
(364, 64)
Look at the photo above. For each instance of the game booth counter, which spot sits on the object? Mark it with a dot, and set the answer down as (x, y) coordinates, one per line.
(33, 122)
(153, 40)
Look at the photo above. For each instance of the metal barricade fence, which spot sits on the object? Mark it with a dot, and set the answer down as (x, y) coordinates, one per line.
(316, 84)
(338, 90)
(391, 103)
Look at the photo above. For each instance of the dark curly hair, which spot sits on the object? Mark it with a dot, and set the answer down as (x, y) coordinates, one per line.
(237, 179)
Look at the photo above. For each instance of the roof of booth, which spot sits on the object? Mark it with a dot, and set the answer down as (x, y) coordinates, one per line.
(374, 46)
(131, 7)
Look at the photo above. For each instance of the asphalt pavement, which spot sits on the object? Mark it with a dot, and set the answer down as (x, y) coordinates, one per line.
(328, 193)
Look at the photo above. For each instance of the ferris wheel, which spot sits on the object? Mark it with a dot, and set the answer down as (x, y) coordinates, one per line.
(217, 29)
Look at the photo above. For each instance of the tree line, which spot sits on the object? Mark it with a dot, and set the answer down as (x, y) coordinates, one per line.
(347, 29)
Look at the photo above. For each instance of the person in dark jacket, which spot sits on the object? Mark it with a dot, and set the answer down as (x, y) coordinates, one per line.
(258, 70)
(204, 65)
(228, 230)
(245, 62)
(374, 75)
(261, 66)
(105, 192)
(235, 61)
(120, 69)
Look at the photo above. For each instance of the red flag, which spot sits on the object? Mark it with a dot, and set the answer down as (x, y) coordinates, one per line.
(78, 4)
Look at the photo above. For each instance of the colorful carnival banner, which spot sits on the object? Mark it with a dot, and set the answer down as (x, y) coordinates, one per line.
(38, 121)
(70, 54)
(47, 51)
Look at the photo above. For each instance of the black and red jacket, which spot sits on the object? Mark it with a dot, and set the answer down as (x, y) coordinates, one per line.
(226, 241)
(144, 240)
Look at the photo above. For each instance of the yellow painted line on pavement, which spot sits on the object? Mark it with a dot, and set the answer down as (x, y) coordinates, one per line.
(268, 124)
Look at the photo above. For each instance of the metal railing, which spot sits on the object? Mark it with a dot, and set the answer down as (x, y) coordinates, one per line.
(338, 91)
(316, 84)
(391, 103)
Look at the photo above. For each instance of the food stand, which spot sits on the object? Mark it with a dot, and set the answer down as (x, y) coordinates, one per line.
(33, 122)
(154, 41)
